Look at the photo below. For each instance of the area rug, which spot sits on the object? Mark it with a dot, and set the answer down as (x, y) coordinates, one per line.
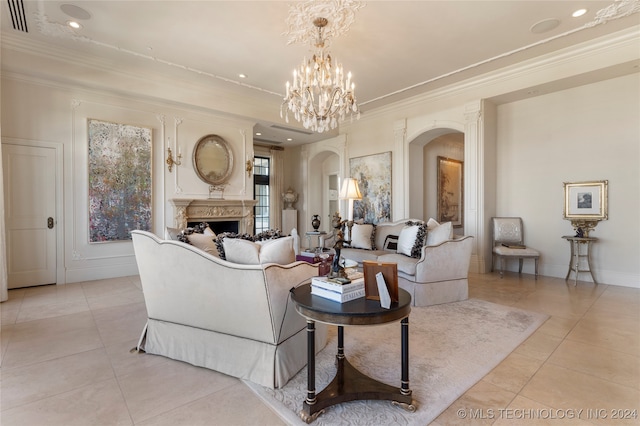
(451, 347)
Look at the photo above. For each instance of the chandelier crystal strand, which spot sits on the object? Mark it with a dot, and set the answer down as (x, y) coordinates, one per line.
(318, 96)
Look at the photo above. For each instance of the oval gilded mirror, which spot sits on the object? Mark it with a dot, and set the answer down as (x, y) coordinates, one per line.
(213, 159)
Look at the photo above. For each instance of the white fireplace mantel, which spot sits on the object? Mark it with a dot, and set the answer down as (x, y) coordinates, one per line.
(212, 210)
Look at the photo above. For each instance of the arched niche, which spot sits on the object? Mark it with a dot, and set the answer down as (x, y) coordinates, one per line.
(325, 167)
(425, 152)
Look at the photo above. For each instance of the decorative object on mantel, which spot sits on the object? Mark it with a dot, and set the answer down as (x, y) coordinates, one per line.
(213, 160)
(216, 191)
(319, 96)
(289, 198)
(171, 162)
(585, 204)
(315, 222)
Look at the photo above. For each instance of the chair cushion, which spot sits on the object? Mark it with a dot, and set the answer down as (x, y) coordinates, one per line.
(362, 236)
(515, 252)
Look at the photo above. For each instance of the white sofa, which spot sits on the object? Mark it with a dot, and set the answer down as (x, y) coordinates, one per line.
(439, 275)
(236, 319)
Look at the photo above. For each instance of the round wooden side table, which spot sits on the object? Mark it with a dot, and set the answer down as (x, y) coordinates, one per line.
(349, 384)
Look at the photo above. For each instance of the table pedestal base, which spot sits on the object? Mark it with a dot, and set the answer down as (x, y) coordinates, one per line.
(350, 384)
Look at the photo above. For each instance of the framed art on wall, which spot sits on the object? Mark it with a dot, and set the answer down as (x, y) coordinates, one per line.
(373, 173)
(119, 180)
(585, 200)
(450, 191)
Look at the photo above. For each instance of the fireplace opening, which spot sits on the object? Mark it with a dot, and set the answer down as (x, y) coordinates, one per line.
(219, 226)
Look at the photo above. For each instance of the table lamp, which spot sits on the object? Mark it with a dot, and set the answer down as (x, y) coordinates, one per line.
(350, 191)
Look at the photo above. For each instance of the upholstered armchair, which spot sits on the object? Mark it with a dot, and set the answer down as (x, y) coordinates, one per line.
(508, 243)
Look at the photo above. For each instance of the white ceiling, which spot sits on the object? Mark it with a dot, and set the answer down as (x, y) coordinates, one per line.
(395, 49)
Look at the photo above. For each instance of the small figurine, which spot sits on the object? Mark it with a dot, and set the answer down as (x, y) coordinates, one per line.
(579, 233)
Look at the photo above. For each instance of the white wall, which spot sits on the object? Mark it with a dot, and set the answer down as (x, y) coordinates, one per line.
(36, 112)
(582, 134)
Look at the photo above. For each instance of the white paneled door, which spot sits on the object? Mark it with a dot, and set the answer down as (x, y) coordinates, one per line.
(30, 207)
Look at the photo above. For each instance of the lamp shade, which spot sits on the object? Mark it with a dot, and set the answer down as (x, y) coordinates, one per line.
(350, 190)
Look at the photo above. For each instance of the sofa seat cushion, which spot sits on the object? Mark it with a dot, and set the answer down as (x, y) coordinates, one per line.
(359, 255)
(406, 264)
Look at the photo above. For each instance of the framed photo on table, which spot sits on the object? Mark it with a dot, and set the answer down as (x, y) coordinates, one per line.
(390, 273)
(585, 200)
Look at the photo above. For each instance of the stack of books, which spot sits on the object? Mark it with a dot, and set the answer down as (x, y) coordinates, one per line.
(337, 291)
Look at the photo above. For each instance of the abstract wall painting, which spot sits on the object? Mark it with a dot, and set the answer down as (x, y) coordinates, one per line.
(373, 173)
(120, 184)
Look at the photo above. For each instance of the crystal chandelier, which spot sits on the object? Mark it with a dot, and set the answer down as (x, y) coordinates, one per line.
(319, 96)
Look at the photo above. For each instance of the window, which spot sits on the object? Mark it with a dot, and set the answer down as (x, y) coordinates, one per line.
(261, 193)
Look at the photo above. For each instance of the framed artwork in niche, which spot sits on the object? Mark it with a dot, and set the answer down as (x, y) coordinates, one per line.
(450, 191)
(120, 185)
(373, 173)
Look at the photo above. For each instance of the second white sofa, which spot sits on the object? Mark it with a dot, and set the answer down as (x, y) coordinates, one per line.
(437, 274)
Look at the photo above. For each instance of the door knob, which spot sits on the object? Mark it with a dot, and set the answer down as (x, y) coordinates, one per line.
(50, 223)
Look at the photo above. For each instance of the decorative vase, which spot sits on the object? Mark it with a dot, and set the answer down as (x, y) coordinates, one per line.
(315, 222)
(289, 198)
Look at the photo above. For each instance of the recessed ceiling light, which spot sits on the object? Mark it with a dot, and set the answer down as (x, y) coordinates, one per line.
(258, 134)
(544, 26)
(75, 11)
(74, 25)
(242, 75)
(289, 139)
(579, 13)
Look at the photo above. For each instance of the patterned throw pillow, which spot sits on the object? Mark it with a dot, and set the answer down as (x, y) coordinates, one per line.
(412, 238)
(391, 243)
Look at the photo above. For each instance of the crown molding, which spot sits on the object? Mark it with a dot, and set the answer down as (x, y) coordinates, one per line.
(600, 53)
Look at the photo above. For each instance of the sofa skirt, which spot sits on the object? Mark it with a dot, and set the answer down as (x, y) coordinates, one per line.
(435, 293)
(263, 363)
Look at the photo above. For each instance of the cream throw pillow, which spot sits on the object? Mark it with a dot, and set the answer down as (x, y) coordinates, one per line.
(279, 250)
(245, 252)
(439, 234)
(241, 251)
(407, 239)
(361, 236)
(205, 242)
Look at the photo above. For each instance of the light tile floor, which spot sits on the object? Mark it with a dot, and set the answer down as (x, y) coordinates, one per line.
(66, 361)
